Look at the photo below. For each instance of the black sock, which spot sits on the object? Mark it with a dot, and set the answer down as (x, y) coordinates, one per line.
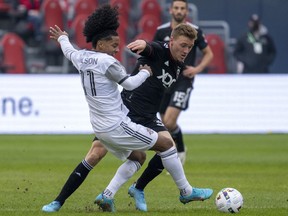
(178, 139)
(74, 181)
(154, 168)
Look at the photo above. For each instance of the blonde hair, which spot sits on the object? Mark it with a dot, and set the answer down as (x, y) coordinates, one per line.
(184, 29)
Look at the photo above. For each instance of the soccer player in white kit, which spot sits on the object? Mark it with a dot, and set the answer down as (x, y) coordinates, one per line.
(100, 75)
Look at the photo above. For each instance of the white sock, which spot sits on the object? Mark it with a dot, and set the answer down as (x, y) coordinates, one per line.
(173, 165)
(123, 174)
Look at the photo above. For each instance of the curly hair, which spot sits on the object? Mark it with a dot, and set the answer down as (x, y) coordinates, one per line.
(101, 24)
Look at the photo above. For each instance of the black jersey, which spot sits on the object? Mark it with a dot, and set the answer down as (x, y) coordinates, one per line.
(145, 100)
(163, 34)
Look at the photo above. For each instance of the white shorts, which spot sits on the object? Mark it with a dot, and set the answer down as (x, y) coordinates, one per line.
(127, 137)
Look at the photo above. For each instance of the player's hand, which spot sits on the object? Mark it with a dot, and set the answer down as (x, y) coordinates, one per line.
(137, 46)
(147, 67)
(56, 32)
(190, 71)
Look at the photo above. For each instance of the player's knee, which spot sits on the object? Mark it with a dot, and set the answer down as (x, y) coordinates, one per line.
(142, 158)
(170, 125)
(164, 143)
(93, 158)
(95, 155)
(139, 156)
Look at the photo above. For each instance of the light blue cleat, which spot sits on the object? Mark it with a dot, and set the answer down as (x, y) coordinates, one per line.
(198, 194)
(106, 204)
(52, 207)
(139, 198)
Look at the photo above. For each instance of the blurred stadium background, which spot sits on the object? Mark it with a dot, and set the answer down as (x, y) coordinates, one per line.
(222, 102)
(224, 18)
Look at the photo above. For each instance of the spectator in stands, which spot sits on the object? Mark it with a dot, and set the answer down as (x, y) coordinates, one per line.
(27, 19)
(255, 50)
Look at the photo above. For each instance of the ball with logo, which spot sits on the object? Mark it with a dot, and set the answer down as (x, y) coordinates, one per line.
(229, 200)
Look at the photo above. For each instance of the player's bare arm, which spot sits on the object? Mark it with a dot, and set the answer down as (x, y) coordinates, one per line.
(56, 32)
(206, 59)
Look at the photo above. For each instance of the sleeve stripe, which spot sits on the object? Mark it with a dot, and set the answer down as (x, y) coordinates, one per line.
(122, 80)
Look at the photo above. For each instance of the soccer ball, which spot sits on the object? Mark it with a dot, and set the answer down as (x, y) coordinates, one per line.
(229, 200)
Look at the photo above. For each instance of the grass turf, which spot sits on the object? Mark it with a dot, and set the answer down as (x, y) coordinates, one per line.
(34, 168)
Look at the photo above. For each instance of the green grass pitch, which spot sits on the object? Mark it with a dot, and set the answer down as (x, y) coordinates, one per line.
(33, 168)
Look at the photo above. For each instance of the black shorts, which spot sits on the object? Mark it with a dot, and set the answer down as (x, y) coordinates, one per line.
(152, 122)
(178, 95)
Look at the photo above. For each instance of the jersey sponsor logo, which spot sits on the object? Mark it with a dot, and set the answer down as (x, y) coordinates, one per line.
(181, 98)
(166, 79)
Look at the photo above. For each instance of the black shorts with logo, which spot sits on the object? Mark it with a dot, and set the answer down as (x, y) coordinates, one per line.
(178, 95)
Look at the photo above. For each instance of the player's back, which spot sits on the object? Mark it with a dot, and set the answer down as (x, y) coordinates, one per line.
(101, 92)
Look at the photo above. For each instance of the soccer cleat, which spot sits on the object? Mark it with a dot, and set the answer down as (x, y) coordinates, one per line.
(52, 207)
(139, 197)
(105, 203)
(198, 194)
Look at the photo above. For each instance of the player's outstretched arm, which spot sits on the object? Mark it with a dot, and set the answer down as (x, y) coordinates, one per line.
(62, 37)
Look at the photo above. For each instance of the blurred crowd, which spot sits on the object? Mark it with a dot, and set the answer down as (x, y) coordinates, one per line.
(25, 46)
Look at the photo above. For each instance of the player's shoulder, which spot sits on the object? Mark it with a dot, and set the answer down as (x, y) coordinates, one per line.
(164, 26)
(193, 25)
(103, 59)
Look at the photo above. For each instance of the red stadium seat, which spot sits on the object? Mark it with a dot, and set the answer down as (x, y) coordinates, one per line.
(85, 7)
(52, 14)
(13, 48)
(77, 27)
(218, 63)
(122, 32)
(4, 7)
(151, 7)
(148, 24)
(124, 8)
(145, 36)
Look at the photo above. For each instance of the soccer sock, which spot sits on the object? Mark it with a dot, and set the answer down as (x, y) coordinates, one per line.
(178, 139)
(123, 174)
(74, 181)
(154, 168)
(173, 165)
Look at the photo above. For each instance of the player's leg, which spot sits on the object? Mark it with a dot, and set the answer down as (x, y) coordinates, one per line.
(170, 121)
(154, 168)
(172, 164)
(77, 177)
(173, 102)
(105, 200)
(128, 141)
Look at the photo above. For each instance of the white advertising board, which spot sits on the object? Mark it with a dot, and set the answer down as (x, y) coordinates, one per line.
(55, 104)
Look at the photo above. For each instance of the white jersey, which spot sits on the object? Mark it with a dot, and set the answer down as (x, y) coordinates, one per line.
(100, 74)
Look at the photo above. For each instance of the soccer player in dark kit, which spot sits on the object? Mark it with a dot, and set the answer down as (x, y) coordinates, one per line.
(176, 97)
